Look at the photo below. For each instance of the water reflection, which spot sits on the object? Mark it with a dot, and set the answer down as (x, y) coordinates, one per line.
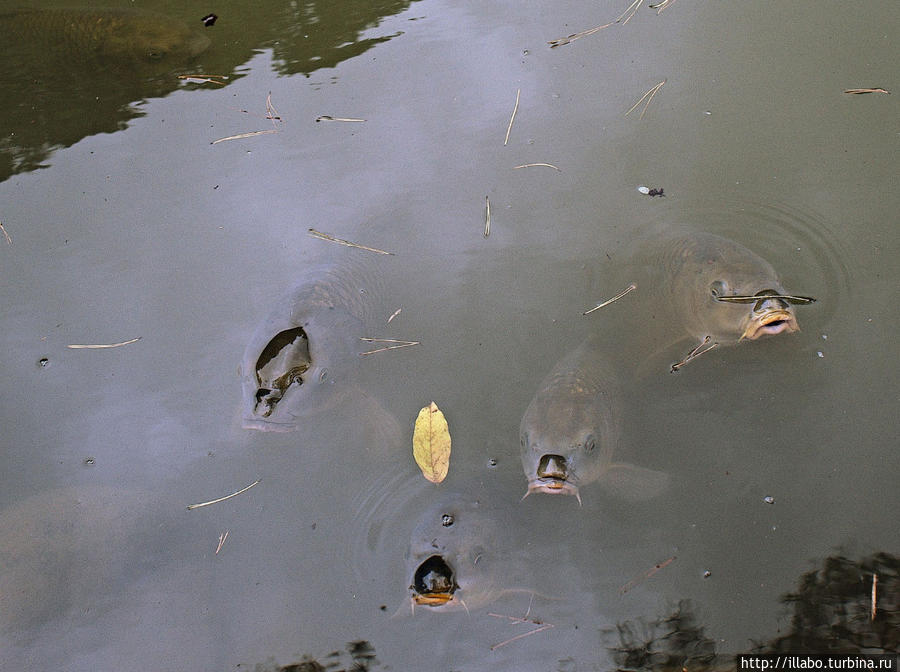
(835, 610)
(76, 73)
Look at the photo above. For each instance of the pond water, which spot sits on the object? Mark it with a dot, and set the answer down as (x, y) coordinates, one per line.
(126, 222)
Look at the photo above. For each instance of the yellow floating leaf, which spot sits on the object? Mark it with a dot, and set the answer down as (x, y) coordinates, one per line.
(431, 443)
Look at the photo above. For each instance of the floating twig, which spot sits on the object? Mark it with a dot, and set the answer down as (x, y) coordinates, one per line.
(515, 619)
(632, 8)
(103, 346)
(513, 117)
(271, 112)
(574, 36)
(487, 216)
(395, 313)
(660, 6)
(5, 235)
(874, 594)
(533, 165)
(646, 575)
(399, 344)
(241, 136)
(861, 91)
(651, 93)
(222, 538)
(618, 296)
(341, 241)
(696, 352)
(326, 117)
(222, 499)
(205, 79)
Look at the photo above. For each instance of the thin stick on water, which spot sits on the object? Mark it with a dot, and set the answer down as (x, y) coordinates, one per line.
(103, 346)
(874, 594)
(513, 117)
(341, 241)
(660, 6)
(241, 136)
(399, 344)
(651, 93)
(222, 538)
(618, 296)
(395, 313)
(5, 235)
(632, 8)
(861, 91)
(487, 216)
(696, 352)
(271, 112)
(326, 117)
(646, 575)
(533, 165)
(222, 499)
(574, 36)
(205, 79)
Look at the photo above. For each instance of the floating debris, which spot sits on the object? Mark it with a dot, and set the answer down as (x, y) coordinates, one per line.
(222, 538)
(647, 191)
(660, 6)
(487, 216)
(618, 296)
(241, 136)
(103, 346)
(399, 344)
(394, 314)
(646, 575)
(205, 79)
(5, 234)
(533, 165)
(341, 241)
(209, 20)
(769, 499)
(861, 91)
(574, 36)
(696, 352)
(650, 93)
(431, 443)
(874, 595)
(513, 117)
(222, 499)
(326, 117)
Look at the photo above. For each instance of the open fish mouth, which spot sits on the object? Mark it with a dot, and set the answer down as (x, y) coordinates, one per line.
(434, 582)
(770, 323)
(552, 486)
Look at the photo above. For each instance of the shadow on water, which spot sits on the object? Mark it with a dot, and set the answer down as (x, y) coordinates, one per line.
(72, 72)
(834, 610)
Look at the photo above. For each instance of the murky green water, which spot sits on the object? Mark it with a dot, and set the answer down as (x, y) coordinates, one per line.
(136, 226)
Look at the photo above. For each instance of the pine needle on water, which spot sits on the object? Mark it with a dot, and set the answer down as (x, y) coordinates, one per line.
(341, 241)
(222, 499)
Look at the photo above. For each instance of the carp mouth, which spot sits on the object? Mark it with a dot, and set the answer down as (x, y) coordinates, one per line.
(552, 477)
(769, 324)
(281, 365)
(771, 314)
(434, 582)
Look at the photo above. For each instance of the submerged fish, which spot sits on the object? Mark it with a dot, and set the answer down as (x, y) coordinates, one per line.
(456, 557)
(570, 430)
(715, 288)
(298, 361)
(107, 35)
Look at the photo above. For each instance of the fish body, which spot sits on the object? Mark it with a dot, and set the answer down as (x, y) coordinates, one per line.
(456, 557)
(301, 356)
(571, 428)
(104, 35)
(713, 287)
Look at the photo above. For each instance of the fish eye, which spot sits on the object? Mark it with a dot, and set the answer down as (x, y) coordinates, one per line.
(718, 288)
